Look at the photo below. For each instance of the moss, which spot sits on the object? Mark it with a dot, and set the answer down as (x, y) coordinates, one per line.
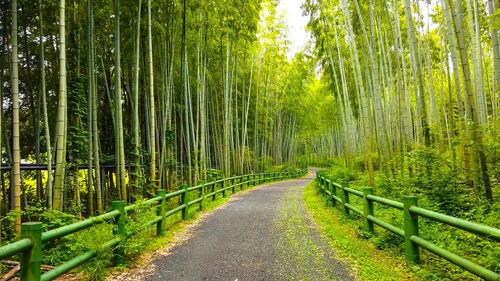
(299, 256)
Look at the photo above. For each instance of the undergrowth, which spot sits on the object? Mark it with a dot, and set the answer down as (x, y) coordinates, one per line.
(368, 262)
(440, 186)
(432, 267)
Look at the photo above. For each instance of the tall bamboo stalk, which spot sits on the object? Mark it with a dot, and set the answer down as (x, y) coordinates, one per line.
(417, 72)
(16, 150)
(90, 97)
(61, 113)
(135, 106)
(95, 129)
(119, 143)
(152, 118)
(43, 94)
(471, 112)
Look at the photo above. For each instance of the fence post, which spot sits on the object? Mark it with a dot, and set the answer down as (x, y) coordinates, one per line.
(254, 182)
(185, 202)
(321, 184)
(368, 209)
(333, 192)
(214, 189)
(411, 228)
(224, 194)
(119, 230)
(345, 197)
(31, 259)
(160, 211)
(318, 178)
(202, 194)
(233, 181)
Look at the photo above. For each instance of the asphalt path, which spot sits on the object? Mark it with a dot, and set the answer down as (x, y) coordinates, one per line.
(262, 234)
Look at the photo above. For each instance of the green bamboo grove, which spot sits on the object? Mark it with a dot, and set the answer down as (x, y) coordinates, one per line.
(114, 100)
(410, 76)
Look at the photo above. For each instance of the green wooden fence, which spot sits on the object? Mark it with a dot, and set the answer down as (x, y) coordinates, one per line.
(30, 245)
(339, 194)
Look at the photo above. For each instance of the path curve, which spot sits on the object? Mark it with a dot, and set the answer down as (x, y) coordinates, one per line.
(263, 234)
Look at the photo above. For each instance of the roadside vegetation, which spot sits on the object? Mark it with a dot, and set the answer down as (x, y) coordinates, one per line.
(429, 185)
(142, 244)
(368, 261)
(112, 100)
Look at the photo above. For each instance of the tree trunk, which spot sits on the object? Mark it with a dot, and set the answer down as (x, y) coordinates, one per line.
(16, 150)
(471, 112)
(152, 118)
(119, 143)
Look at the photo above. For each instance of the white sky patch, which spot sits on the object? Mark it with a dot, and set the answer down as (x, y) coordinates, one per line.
(296, 22)
(427, 10)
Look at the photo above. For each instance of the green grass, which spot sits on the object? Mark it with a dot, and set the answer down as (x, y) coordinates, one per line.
(368, 262)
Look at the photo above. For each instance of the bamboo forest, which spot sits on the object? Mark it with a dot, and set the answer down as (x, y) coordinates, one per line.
(118, 115)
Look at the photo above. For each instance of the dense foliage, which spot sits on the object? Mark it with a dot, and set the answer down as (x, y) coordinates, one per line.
(111, 100)
(168, 92)
(407, 102)
(407, 99)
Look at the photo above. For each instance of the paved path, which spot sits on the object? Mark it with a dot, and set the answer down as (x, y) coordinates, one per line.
(264, 234)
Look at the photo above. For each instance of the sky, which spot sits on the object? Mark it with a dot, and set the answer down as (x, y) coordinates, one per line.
(296, 22)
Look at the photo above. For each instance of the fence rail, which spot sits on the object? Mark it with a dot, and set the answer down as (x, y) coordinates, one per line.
(411, 212)
(30, 245)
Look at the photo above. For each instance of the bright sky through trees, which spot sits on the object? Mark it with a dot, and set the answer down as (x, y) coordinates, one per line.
(296, 22)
